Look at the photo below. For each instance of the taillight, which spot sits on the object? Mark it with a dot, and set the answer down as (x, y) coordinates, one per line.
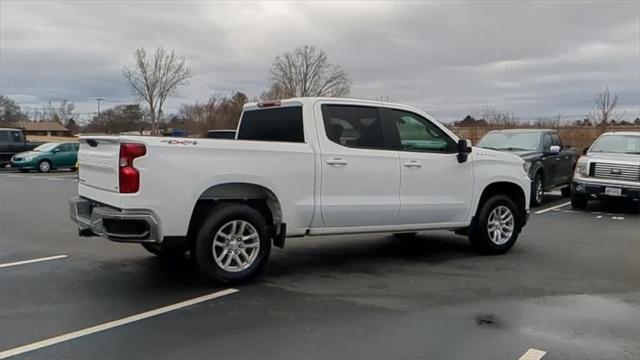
(129, 175)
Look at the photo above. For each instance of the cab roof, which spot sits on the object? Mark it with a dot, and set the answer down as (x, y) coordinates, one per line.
(525, 130)
(632, 133)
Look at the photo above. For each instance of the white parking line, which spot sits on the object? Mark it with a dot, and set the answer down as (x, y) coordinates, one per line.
(552, 208)
(23, 262)
(112, 324)
(533, 354)
(44, 176)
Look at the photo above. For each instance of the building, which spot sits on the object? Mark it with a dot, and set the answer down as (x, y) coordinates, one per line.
(47, 128)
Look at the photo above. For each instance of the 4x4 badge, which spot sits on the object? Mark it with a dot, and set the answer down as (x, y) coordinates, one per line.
(180, 142)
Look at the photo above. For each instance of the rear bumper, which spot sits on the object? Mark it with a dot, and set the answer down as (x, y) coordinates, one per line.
(93, 219)
(597, 190)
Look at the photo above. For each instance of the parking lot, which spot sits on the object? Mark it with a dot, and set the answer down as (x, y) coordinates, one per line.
(570, 288)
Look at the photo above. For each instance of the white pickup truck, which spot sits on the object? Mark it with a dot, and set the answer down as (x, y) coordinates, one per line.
(298, 167)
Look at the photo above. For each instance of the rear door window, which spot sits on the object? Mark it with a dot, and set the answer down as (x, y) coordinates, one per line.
(354, 126)
(277, 124)
(4, 137)
(16, 136)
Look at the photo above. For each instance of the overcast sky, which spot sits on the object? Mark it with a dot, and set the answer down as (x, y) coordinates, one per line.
(538, 58)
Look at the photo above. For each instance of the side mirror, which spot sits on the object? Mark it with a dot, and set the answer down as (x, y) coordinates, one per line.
(584, 151)
(55, 150)
(554, 149)
(464, 148)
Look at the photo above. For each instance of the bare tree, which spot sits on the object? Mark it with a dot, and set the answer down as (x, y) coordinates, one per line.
(156, 77)
(218, 112)
(204, 114)
(10, 111)
(306, 71)
(64, 112)
(549, 121)
(604, 109)
(120, 118)
(494, 117)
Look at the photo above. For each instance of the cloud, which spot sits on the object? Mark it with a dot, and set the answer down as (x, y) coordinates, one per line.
(450, 58)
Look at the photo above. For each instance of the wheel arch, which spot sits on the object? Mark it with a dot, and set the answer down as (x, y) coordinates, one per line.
(539, 169)
(254, 195)
(509, 189)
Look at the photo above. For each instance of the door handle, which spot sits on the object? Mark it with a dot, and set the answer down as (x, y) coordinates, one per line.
(413, 164)
(337, 162)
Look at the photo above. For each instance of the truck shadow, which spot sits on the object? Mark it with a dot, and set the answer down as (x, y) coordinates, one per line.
(615, 206)
(366, 254)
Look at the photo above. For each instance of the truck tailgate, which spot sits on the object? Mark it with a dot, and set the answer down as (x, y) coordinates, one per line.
(98, 163)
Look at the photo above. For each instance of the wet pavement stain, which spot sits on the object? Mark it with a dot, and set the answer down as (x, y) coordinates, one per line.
(488, 320)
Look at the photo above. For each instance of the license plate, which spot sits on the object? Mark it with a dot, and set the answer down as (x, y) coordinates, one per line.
(612, 191)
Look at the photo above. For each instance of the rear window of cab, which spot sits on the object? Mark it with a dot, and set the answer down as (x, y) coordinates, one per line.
(283, 124)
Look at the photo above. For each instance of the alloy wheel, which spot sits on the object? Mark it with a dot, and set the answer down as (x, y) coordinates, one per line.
(500, 225)
(236, 246)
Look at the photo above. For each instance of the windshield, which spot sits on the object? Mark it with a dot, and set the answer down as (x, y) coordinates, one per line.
(46, 147)
(625, 144)
(510, 141)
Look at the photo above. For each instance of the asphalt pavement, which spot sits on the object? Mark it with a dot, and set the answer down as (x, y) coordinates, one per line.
(569, 289)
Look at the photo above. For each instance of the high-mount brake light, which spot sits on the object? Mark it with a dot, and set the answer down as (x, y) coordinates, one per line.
(129, 176)
(269, 103)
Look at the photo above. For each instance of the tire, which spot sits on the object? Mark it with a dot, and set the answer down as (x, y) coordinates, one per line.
(44, 166)
(537, 190)
(165, 252)
(405, 236)
(235, 260)
(566, 191)
(578, 201)
(490, 211)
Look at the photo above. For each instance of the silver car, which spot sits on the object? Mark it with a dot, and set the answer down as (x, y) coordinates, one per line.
(610, 168)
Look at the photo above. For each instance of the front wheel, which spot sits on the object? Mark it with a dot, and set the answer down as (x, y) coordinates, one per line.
(44, 166)
(233, 243)
(497, 225)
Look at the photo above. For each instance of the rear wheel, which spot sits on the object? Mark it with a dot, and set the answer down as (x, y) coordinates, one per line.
(233, 243)
(537, 190)
(166, 252)
(578, 201)
(497, 225)
(44, 166)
